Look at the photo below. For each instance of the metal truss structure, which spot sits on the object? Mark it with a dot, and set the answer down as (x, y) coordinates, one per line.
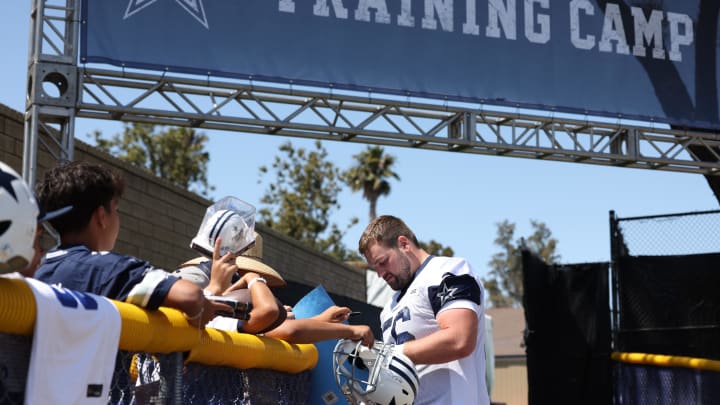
(327, 114)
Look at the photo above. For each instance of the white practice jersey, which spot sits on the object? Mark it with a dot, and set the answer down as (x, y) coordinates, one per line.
(440, 284)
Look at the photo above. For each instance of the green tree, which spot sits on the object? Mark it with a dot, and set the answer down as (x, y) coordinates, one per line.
(301, 197)
(504, 285)
(176, 154)
(370, 174)
(436, 248)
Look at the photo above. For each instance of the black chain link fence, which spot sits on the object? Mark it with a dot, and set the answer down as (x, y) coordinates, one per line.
(665, 301)
(653, 385)
(165, 379)
(142, 378)
(14, 362)
(668, 235)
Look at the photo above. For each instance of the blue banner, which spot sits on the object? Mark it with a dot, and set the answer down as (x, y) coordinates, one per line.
(632, 59)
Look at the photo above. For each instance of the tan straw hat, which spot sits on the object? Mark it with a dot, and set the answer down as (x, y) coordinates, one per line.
(250, 261)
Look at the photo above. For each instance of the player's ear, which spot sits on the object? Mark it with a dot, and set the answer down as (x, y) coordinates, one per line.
(403, 242)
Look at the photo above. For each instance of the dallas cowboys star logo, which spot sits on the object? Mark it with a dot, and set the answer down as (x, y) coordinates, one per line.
(194, 7)
(447, 294)
(6, 180)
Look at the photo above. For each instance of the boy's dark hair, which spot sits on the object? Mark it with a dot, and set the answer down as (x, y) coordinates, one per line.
(83, 185)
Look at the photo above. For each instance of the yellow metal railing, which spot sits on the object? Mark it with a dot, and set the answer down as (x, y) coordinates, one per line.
(167, 331)
(666, 360)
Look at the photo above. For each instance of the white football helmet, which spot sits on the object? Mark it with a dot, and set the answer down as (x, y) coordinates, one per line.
(18, 221)
(231, 219)
(374, 376)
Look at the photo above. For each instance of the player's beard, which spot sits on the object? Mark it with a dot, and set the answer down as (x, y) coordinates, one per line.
(404, 275)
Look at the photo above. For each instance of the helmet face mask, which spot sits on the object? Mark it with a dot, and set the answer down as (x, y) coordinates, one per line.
(376, 375)
(49, 238)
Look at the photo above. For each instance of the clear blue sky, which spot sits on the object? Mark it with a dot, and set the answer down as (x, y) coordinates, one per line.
(453, 198)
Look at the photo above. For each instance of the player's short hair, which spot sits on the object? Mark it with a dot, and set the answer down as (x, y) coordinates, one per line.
(385, 231)
(84, 185)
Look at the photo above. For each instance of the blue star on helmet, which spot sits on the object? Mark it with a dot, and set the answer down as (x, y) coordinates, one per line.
(194, 7)
(447, 294)
(6, 180)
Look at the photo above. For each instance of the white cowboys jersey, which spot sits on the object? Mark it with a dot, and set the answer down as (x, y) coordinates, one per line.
(440, 284)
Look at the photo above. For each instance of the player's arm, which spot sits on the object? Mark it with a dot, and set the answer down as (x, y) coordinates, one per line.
(455, 339)
(454, 301)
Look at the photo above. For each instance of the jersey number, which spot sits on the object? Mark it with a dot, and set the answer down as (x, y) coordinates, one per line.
(70, 299)
(400, 317)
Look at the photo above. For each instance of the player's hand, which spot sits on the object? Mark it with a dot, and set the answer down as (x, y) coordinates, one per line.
(289, 312)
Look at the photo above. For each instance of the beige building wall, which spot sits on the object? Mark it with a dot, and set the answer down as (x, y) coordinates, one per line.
(158, 219)
(510, 387)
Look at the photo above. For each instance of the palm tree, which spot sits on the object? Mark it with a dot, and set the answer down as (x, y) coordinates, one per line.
(371, 175)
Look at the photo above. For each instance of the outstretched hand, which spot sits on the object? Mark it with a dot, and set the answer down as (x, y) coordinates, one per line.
(362, 333)
(334, 314)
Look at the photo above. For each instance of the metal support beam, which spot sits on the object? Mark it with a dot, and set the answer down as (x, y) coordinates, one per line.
(244, 107)
(52, 85)
(249, 107)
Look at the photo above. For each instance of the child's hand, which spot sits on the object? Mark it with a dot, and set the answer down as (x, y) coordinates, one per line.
(334, 314)
(223, 268)
(362, 333)
(243, 282)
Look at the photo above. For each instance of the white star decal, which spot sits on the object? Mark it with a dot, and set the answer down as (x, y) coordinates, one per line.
(194, 7)
(446, 294)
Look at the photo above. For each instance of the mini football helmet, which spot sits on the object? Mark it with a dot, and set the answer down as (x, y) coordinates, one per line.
(230, 219)
(18, 221)
(374, 376)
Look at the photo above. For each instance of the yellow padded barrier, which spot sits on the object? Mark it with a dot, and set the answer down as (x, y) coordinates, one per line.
(667, 361)
(167, 331)
(242, 350)
(17, 307)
